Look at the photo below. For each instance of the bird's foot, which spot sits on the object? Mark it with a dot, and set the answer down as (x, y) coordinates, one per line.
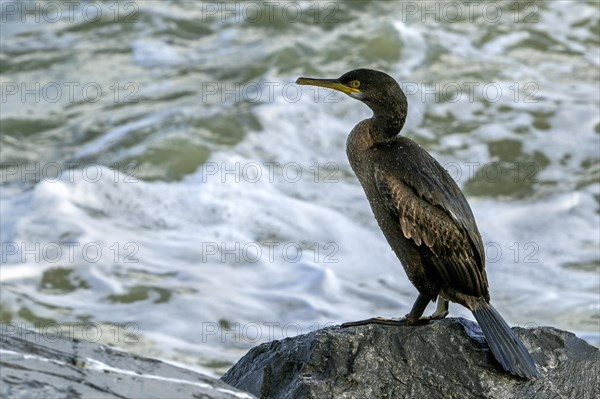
(376, 320)
(408, 320)
(438, 315)
(442, 309)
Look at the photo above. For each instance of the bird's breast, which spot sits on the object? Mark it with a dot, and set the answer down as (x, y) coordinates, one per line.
(359, 147)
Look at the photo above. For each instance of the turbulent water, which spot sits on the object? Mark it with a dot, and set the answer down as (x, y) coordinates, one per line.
(168, 189)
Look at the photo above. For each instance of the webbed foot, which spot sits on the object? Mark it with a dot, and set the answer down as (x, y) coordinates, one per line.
(441, 311)
(408, 320)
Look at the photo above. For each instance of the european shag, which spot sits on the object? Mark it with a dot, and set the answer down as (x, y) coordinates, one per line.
(423, 214)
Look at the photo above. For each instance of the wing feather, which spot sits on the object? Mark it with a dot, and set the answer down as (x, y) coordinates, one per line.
(454, 255)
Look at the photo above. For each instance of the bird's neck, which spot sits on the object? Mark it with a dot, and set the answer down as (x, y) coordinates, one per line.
(386, 124)
(389, 113)
(385, 127)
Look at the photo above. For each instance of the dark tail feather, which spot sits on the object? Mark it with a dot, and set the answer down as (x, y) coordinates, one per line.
(505, 346)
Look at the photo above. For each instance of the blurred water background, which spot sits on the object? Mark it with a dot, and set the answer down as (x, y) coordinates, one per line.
(168, 190)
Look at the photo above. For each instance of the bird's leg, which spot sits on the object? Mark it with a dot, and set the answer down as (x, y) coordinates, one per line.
(442, 309)
(412, 318)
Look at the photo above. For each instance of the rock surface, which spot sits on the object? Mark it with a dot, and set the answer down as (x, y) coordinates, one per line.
(445, 359)
(41, 366)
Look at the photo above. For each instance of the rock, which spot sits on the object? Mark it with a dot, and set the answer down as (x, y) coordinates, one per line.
(43, 366)
(445, 359)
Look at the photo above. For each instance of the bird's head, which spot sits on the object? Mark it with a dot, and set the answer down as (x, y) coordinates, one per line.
(376, 89)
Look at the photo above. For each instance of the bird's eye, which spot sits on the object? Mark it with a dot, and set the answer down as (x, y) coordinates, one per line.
(355, 84)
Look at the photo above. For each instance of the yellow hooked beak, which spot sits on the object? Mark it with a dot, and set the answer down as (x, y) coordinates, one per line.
(328, 83)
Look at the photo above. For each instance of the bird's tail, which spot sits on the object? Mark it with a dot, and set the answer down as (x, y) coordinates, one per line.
(505, 345)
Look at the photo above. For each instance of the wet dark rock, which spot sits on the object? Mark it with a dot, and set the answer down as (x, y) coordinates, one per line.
(42, 366)
(445, 359)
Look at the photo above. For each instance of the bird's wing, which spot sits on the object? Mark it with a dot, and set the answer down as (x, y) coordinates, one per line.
(455, 256)
(438, 188)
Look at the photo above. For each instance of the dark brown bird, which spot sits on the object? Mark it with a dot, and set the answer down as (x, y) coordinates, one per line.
(423, 215)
